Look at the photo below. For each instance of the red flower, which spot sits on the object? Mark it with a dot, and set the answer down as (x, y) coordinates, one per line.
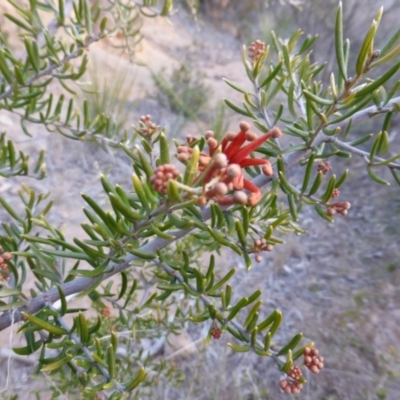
(226, 167)
(237, 154)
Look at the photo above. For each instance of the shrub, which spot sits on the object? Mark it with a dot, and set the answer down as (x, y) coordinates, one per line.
(158, 239)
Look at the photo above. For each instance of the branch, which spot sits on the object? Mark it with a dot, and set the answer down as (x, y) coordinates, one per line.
(294, 158)
(81, 284)
(370, 112)
(52, 67)
(364, 154)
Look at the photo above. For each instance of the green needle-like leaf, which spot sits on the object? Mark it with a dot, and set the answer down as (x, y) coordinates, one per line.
(339, 42)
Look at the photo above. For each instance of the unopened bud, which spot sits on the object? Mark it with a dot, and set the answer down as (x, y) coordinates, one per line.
(251, 136)
(230, 136)
(253, 198)
(346, 206)
(212, 143)
(267, 169)
(183, 157)
(220, 189)
(275, 132)
(220, 160)
(233, 170)
(244, 126)
(182, 149)
(209, 134)
(240, 197)
(330, 211)
(201, 201)
(268, 247)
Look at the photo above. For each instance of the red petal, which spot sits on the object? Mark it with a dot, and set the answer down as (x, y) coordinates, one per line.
(235, 144)
(250, 186)
(253, 199)
(248, 162)
(225, 201)
(237, 182)
(246, 150)
(224, 143)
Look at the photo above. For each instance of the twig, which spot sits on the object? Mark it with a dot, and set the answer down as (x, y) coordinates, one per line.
(362, 153)
(293, 158)
(9, 357)
(369, 112)
(52, 67)
(83, 283)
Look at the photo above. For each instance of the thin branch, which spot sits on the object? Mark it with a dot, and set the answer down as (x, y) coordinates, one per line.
(299, 98)
(52, 67)
(362, 153)
(294, 158)
(369, 112)
(263, 111)
(83, 283)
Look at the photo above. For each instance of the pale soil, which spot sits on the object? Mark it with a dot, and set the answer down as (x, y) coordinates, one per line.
(339, 283)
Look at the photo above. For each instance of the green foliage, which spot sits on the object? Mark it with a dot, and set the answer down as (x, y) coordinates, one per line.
(14, 164)
(166, 221)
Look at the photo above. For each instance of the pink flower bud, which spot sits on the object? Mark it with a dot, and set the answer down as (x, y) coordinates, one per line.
(240, 197)
(209, 134)
(233, 170)
(244, 126)
(250, 136)
(220, 160)
(267, 169)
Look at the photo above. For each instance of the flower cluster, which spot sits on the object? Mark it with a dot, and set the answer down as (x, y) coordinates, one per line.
(147, 127)
(324, 167)
(259, 246)
(335, 193)
(312, 360)
(294, 381)
(338, 208)
(106, 312)
(162, 175)
(220, 171)
(5, 257)
(256, 50)
(291, 384)
(215, 331)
